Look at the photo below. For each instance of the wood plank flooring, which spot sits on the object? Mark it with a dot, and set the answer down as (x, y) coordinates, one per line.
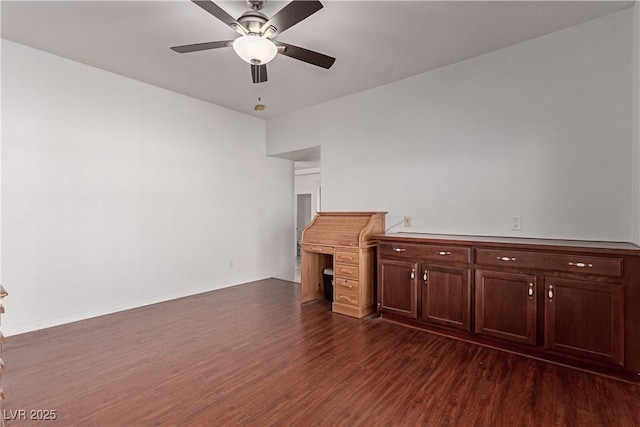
(252, 355)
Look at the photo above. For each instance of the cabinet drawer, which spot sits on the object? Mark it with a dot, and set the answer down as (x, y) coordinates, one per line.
(348, 285)
(347, 298)
(549, 261)
(424, 252)
(344, 270)
(318, 249)
(346, 257)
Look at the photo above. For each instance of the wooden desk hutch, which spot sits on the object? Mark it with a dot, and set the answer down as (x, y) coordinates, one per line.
(342, 240)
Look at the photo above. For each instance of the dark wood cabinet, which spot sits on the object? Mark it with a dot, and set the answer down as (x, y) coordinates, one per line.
(506, 306)
(397, 288)
(585, 318)
(445, 296)
(569, 302)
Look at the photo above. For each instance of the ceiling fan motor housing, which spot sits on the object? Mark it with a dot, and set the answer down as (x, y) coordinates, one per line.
(253, 21)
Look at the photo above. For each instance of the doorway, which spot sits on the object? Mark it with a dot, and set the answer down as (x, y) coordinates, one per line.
(307, 196)
(303, 217)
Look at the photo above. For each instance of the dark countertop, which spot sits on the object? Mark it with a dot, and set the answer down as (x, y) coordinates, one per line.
(497, 241)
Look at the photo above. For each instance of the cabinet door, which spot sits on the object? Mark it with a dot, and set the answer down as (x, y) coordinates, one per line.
(397, 288)
(506, 306)
(445, 296)
(585, 319)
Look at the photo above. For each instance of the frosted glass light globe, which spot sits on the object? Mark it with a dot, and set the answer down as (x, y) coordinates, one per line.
(255, 49)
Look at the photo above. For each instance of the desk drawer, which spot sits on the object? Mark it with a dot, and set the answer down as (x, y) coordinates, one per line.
(347, 298)
(346, 257)
(347, 285)
(345, 270)
(424, 252)
(331, 236)
(549, 261)
(318, 249)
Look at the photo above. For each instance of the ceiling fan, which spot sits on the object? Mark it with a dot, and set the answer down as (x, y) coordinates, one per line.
(255, 44)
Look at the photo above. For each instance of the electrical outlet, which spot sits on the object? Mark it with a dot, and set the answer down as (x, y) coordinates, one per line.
(408, 221)
(516, 223)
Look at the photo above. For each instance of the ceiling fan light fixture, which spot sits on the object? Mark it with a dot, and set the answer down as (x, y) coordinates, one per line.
(254, 49)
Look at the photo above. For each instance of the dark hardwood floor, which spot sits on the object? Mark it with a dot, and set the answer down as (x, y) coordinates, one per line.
(252, 355)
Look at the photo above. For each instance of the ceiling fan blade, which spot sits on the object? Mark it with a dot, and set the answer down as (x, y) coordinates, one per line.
(306, 55)
(217, 11)
(259, 73)
(201, 46)
(292, 13)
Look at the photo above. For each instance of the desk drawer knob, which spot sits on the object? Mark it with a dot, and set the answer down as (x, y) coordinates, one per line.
(443, 253)
(399, 249)
(505, 258)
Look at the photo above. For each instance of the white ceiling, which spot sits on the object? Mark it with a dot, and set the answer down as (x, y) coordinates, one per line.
(375, 42)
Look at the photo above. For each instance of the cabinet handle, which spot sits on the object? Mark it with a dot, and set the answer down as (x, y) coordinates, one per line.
(530, 291)
(413, 274)
(344, 298)
(505, 258)
(399, 249)
(316, 249)
(443, 253)
(550, 292)
(580, 264)
(425, 276)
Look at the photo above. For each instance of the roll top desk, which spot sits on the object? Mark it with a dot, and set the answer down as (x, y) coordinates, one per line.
(342, 240)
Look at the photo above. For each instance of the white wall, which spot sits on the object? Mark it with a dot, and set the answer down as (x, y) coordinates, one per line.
(540, 130)
(0, 156)
(117, 194)
(635, 158)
